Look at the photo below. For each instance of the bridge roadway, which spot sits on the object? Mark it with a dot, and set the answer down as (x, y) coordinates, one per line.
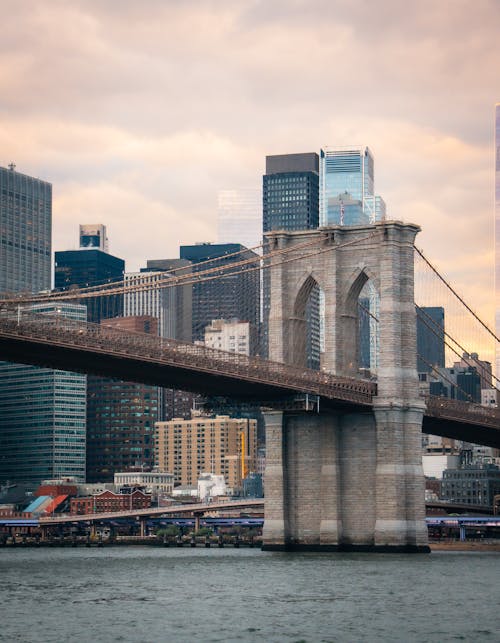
(200, 509)
(58, 342)
(151, 512)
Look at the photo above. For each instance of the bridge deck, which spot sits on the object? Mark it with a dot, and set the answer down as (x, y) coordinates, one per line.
(58, 342)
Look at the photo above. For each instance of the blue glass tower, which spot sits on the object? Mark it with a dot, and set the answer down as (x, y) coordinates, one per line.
(347, 187)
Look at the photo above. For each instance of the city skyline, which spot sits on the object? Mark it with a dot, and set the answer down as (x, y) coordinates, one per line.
(129, 126)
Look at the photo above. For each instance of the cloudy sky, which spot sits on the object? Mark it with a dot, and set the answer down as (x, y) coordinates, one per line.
(139, 112)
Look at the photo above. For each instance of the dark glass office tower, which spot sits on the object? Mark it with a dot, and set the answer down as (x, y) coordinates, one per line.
(121, 416)
(91, 267)
(230, 296)
(290, 201)
(430, 338)
(290, 196)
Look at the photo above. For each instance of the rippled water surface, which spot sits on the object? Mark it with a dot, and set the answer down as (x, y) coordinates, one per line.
(153, 594)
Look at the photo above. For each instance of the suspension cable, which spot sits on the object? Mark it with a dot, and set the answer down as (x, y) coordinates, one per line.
(460, 299)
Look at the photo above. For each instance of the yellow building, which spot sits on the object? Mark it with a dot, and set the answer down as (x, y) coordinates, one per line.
(221, 445)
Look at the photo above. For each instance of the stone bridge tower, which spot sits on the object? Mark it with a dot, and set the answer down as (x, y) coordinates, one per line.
(347, 479)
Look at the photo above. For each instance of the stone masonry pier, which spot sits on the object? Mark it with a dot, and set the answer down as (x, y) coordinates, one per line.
(347, 480)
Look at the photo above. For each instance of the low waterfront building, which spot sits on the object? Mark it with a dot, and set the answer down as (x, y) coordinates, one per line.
(252, 486)
(108, 501)
(473, 485)
(211, 486)
(58, 487)
(185, 491)
(93, 488)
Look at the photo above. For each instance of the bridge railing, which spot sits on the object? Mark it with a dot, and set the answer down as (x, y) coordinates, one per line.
(445, 408)
(60, 330)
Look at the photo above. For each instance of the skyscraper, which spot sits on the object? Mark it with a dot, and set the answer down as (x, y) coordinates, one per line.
(290, 192)
(171, 306)
(25, 259)
(347, 178)
(291, 202)
(121, 416)
(347, 197)
(25, 232)
(91, 266)
(497, 232)
(230, 296)
(240, 217)
(42, 416)
(430, 338)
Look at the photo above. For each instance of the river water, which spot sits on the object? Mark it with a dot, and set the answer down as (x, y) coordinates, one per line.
(148, 594)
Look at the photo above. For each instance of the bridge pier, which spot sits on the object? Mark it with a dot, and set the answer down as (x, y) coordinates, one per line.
(344, 482)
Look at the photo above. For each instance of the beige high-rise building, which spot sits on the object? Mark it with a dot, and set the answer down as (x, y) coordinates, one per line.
(221, 445)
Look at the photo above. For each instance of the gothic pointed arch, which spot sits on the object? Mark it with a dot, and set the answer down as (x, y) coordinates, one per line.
(304, 289)
(354, 285)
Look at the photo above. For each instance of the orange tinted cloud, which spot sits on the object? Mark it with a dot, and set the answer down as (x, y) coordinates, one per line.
(138, 113)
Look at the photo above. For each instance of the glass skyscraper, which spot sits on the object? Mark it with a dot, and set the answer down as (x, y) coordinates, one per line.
(121, 416)
(430, 338)
(497, 232)
(290, 192)
(346, 192)
(240, 217)
(230, 296)
(91, 265)
(347, 197)
(25, 232)
(291, 202)
(42, 412)
(43, 416)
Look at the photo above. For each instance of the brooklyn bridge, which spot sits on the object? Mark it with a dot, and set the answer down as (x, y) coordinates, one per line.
(356, 437)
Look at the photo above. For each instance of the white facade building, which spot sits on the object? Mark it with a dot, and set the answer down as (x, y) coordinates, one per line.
(154, 481)
(211, 486)
(233, 336)
(170, 305)
(489, 397)
(185, 490)
(148, 300)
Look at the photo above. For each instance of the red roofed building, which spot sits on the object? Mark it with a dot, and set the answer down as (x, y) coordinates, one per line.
(108, 501)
